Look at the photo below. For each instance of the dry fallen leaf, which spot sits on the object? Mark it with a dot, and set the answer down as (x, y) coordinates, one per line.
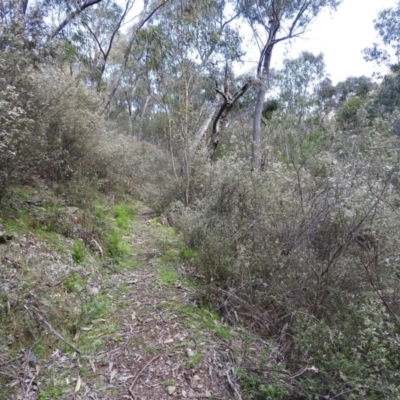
(86, 328)
(37, 369)
(78, 384)
(112, 374)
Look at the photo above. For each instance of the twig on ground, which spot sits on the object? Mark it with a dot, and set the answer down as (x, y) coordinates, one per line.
(30, 384)
(232, 385)
(139, 374)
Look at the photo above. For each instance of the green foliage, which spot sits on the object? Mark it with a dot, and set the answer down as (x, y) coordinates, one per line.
(188, 254)
(96, 308)
(387, 99)
(290, 241)
(306, 250)
(347, 116)
(254, 387)
(222, 332)
(116, 246)
(123, 213)
(297, 82)
(387, 26)
(358, 354)
(194, 360)
(51, 392)
(167, 276)
(78, 251)
(74, 283)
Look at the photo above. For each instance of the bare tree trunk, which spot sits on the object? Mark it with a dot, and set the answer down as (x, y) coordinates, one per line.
(201, 132)
(255, 154)
(226, 107)
(143, 114)
(25, 6)
(263, 72)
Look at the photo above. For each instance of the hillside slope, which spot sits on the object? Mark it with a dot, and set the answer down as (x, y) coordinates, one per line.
(103, 303)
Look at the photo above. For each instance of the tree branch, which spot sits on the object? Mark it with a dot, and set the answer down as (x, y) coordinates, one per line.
(72, 16)
(127, 51)
(25, 7)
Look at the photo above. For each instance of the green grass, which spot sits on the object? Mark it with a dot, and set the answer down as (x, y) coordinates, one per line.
(51, 391)
(20, 221)
(78, 251)
(222, 332)
(123, 214)
(152, 349)
(116, 247)
(188, 254)
(96, 309)
(255, 387)
(167, 276)
(74, 283)
(192, 361)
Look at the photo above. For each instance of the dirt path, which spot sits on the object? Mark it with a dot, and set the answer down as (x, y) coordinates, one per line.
(153, 340)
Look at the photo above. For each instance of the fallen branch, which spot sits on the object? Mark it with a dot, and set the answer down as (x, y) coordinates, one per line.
(54, 332)
(232, 385)
(139, 374)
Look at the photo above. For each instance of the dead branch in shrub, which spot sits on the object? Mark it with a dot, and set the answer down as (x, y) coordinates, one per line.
(369, 273)
(53, 331)
(231, 306)
(88, 240)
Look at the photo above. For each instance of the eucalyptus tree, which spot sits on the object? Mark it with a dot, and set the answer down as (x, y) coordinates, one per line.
(150, 9)
(103, 25)
(69, 10)
(89, 38)
(330, 97)
(206, 40)
(297, 82)
(388, 27)
(180, 55)
(387, 24)
(274, 21)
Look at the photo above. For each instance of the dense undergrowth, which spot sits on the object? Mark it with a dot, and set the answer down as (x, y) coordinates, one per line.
(312, 243)
(304, 252)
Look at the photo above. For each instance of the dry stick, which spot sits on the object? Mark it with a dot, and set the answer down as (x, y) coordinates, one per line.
(232, 385)
(30, 384)
(140, 373)
(55, 333)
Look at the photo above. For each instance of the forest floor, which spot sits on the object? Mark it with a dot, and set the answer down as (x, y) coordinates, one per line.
(128, 324)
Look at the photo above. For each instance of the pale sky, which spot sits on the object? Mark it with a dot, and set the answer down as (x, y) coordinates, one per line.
(341, 36)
